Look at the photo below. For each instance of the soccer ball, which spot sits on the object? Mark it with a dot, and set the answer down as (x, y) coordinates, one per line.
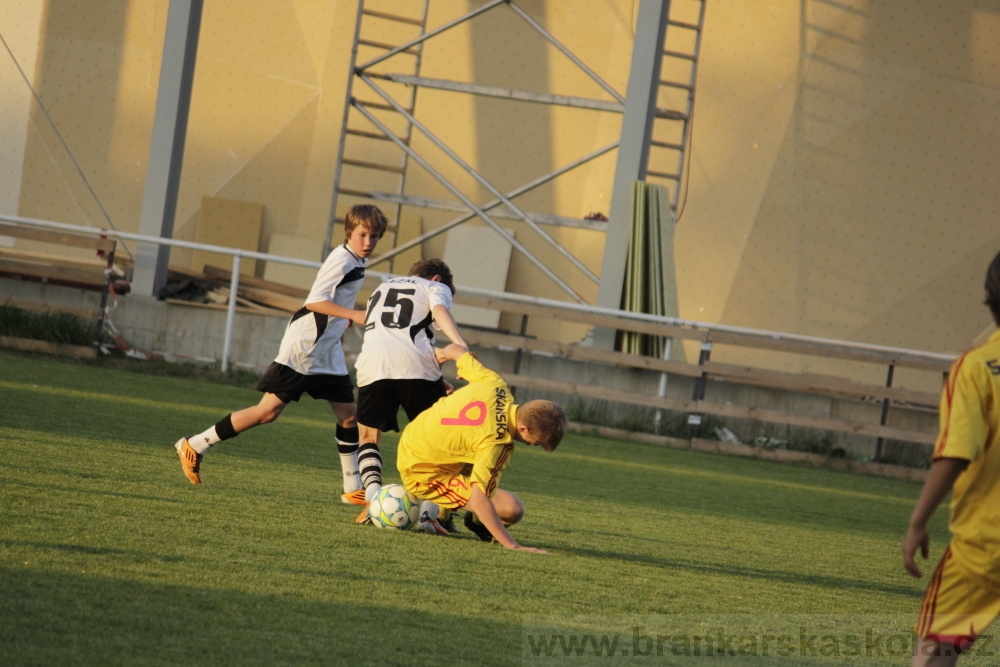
(394, 507)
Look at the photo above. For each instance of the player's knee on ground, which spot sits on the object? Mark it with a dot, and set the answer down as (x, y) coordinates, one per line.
(509, 507)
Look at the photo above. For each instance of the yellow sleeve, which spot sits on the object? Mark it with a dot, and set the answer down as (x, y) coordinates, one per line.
(489, 466)
(965, 427)
(471, 370)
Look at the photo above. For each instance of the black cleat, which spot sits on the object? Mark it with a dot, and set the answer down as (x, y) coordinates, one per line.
(481, 531)
(449, 524)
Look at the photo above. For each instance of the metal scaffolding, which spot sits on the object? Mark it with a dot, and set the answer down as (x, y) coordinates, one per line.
(376, 111)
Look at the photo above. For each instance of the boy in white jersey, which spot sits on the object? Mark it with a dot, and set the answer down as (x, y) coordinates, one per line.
(398, 366)
(310, 358)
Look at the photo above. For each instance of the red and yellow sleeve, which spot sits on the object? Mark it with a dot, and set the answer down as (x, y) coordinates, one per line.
(964, 429)
(489, 466)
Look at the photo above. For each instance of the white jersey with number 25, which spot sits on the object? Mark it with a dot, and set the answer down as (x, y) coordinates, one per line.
(399, 341)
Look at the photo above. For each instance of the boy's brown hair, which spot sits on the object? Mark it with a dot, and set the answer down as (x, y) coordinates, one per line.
(369, 216)
(993, 289)
(428, 268)
(545, 420)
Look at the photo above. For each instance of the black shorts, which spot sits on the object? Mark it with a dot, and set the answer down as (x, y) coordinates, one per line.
(289, 385)
(379, 401)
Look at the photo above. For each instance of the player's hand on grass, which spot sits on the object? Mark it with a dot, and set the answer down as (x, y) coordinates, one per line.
(531, 549)
(916, 537)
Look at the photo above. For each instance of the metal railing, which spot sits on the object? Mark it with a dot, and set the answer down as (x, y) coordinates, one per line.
(667, 327)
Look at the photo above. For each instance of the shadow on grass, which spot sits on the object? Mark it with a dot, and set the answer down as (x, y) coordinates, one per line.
(48, 618)
(90, 550)
(76, 489)
(833, 583)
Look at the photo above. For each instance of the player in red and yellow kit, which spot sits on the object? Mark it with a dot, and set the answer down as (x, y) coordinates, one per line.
(963, 596)
(476, 426)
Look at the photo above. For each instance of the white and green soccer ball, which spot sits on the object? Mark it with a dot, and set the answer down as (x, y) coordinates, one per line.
(394, 507)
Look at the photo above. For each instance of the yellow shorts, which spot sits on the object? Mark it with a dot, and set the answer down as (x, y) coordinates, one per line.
(955, 609)
(447, 486)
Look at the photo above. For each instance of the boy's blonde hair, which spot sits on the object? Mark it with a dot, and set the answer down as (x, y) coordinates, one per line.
(369, 216)
(545, 420)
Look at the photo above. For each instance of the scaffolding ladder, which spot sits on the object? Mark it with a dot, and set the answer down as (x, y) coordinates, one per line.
(671, 133)
(356, 145)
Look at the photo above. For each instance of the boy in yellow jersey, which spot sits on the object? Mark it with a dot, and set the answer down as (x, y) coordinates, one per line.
(475, 426)
(963, 596)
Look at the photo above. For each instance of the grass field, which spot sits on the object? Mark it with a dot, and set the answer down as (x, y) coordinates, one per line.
(109, 556)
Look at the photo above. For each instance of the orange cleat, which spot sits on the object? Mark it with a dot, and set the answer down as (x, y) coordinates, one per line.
(363, 518)
(354, 497)
(190, 460)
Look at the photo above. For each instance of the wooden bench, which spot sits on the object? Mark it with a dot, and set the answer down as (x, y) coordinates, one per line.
(89, 273)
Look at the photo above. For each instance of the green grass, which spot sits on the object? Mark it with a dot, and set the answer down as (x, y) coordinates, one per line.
(108, 556)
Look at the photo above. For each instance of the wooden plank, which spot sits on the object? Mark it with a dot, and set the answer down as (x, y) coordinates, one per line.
(577, 352)
(94, 264)
(289, 304)
(822, 423)
(226, 275)
(721, 410)
(53, 274)
(57, 238)
(271, 312)
(819, 349)
(815, 384)
(601, 393)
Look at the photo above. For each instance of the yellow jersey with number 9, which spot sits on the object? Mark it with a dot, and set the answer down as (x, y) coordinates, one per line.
(472, 425)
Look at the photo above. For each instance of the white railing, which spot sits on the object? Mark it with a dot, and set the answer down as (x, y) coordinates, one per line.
(237, 254)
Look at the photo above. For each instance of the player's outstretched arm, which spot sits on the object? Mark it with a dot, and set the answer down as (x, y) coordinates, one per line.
(333, 310)
(939, 483)
(444, 319)
(449, 352)
(481, 505)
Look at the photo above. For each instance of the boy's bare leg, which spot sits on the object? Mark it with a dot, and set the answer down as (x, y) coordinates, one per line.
(925, 650)
(509, 507)
(191, 449)
(266, 411)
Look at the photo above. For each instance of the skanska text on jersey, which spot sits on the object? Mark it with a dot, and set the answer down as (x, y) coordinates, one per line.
(500, 413)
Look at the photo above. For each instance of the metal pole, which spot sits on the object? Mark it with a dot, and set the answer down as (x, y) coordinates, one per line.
(694, 420)
(566, 52)
(637, 127)
(234, 286)
(885, 414)
(166, 151)
(432, 33)
(662, 389)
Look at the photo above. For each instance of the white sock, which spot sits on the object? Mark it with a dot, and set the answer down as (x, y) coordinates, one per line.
(201, 442)
(349, 465)
(429, 510)
(371, 491)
